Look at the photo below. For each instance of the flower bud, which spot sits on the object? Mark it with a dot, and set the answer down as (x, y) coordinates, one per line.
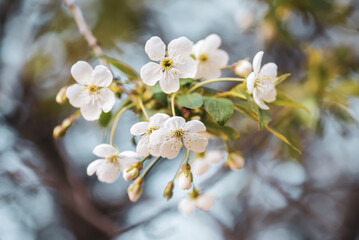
(131, 173)
(168, 191)
(185, 177)
(61, 95)
(134, 191)
(59, 131)
(68, 122)
(116, 88)
(235, 161)
(243, 68)
(205, 201)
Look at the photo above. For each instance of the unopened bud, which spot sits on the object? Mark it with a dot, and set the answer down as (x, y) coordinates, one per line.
(235, 161)
(134, 191)
(116, 88)
(68, 122)
(59, 131)
(61, 95)
(168, 191)
(243, 68)
(131, 173)
(185, 177)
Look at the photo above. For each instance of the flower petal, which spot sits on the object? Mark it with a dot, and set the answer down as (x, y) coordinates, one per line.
(269, 70)
(155, 150)
(128, 154)
(143, 146)
(175, 123)
(270, 95)
(106, 99)
(76, 95)
(205, 201)
(211, 43)
(250, 82)
(151, 73)
(155, 48)
(139, 128)
(257, 60)
(186, 66)
(219, 58)
(91, 111)
(180, 47)
(186, 206)
(158, 119)
(214, 156)
(195, 142)
(92, 167)
(170, 148)
(102, 76)
(107, 172)
(105, 150)
(159, 136)
(126, 162)
(208, 71)
(258, 100)
(199, 166)
(194, 126)
(169, 83)
(82, 72)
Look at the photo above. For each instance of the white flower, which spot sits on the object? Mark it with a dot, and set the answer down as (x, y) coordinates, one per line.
(185, 180)
(130, 173)
(134, 191)
(146, 129)
(259, 82)
(243, 68)
(209, 58)
(174, 130)
(235, 161)
(201, 164)
(90, 93)
(204, 202)
(168, 68)
(111, 163)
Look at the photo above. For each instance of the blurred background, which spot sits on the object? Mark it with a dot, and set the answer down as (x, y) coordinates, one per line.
(45, 192)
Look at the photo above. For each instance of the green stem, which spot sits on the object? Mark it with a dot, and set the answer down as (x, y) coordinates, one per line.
(119, 114)
(180, 166)
(216, 80)
(148, 167)
(143, 108)
(173, 104)
(145, 158)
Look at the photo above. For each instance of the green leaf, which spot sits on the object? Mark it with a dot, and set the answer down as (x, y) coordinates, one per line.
(221, 109)
(186, 81)
(284, 100)
(123, 67)
(283, 138)
(280, 79)
(225, 132)
(232, 94)
(264, 118)
(105, 119)
(156, 89)
(192, 100)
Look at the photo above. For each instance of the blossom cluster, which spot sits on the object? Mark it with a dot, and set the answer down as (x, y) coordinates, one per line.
(162, 136)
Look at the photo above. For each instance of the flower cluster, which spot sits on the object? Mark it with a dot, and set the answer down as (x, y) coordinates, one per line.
(181, 70)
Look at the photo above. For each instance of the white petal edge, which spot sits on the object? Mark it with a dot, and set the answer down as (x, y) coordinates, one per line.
(81, 71)
(107, 99)
(170, 148)
(158, 119)
(269, 70)
(155, 48)
(151, 73)
(250, 82)
(259, 101)
(169, 83)
(102, 76)
(105, 150)
(139, 128)
(76, 94)
(186, 206)
(175, 123)
(92, 167)
(91, 111)
(107, 172)
(180, 47)
(194, 126)
(159, 136)
(257, 60)
(195, 142)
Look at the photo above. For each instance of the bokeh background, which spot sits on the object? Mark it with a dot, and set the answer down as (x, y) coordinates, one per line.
(45, 192)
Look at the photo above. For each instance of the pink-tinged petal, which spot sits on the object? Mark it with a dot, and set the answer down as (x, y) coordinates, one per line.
(269, 70)
(251, 79)
(219, 58)
(186, 206)
(143, 146)
(195, 142)
(199, 166)
(92, 167)
(82, 72)
(139, 128)
(91, 111)
(169, 83)
(170, 148)
(102, 76)
(159, 136)
(180, 47)
(214, 156)
(155, 48)
(158, 119)
(77, 95)
(205, 201)
(107, 172)
(175, 123)
(270, 95)
(194, 126)
(186, 67)
(151, 73)
(105, 150)
(257, 60)
(106, 99)
(258, 100)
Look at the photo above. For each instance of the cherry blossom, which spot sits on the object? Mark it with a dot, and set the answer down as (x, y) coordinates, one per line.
(203, 201)
(201, 164)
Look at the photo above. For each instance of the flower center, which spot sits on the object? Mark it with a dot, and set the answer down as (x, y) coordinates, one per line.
(149, 131)
(178, 133)
(93, 89)
(114, 159)
(203, 58)
(166, 64)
